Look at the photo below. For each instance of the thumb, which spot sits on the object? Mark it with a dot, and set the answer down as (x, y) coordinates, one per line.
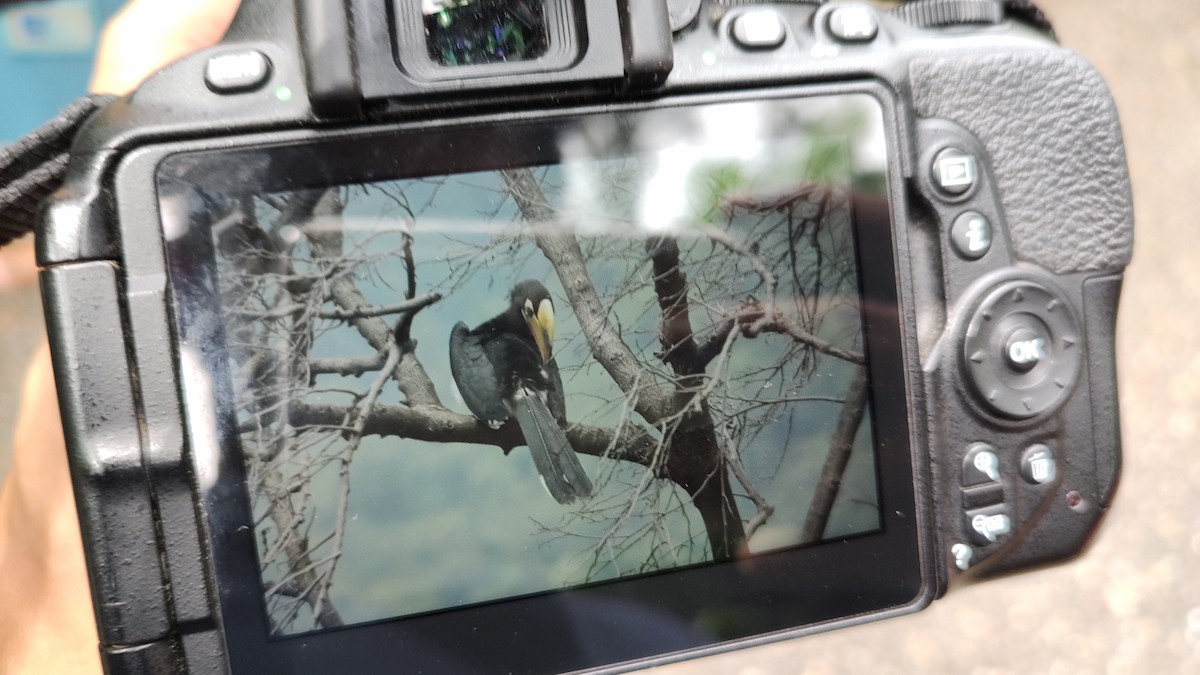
(148, 35)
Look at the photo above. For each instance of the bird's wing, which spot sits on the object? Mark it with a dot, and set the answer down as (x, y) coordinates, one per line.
(555, 459)
(555, 399)
(475, 376)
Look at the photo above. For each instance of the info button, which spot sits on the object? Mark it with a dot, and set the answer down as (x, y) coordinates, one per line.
(971, 235)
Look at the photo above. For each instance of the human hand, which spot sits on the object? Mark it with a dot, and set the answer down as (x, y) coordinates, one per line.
(149, 34)
(17, 267)
(46, 620)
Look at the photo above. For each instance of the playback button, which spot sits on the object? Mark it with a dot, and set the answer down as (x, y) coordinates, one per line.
(955, 172)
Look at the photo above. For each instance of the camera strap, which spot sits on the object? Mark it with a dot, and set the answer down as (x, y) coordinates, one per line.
(1028, 11)
(33, 167)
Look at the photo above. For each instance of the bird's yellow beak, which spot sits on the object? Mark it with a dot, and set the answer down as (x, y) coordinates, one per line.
(541, 324)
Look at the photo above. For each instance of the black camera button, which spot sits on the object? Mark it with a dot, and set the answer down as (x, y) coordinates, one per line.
(955, 172)
(854, 23)
(988, 525)
(971, 235)
(981, 465)
(963, 555)
(759, 29)
(1038, 464)
(1020, 351)
(240, 71)
(1026, 347)
(682, 13)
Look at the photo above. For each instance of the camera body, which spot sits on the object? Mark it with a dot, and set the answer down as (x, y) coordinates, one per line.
(989, 260)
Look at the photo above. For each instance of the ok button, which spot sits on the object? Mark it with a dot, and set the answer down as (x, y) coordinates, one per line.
(1025, 348)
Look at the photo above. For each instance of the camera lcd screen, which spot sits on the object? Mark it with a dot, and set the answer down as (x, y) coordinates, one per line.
(491, 364)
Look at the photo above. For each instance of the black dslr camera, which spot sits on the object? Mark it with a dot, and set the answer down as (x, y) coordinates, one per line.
(548, 335)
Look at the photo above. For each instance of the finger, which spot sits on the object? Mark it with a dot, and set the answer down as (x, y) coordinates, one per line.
(17, 266)
(46, 620)
(148, 35)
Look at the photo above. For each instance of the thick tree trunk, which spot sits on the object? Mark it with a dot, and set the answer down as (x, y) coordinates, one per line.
(695, 462)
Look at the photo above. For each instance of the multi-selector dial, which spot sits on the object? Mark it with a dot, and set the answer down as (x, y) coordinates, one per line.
(1022, 349)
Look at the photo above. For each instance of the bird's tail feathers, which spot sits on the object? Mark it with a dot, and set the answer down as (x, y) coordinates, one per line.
(553, 456)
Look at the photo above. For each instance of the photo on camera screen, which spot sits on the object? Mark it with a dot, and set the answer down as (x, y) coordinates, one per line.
(645, 355)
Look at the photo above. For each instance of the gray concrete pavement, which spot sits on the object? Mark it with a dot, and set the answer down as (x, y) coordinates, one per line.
(1132, 604)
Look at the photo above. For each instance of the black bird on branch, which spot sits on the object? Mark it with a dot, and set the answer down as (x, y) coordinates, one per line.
(505, 370)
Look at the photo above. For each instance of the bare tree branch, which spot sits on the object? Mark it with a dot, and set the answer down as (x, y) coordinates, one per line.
(770, 283)
(437, 424)
(410, 375)
(780, 324)
(410, 307)
(348, 365)
(275, 378)
(675, 332)
(358, 417)
(840, 449)
(753, 319)
(404, 327)
(693, 459)
(365, 311)
(561, 248)
(297, 551)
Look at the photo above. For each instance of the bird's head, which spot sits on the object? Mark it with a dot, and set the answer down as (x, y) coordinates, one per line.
(531, 299)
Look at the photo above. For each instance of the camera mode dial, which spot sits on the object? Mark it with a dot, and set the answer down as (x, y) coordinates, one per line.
(1022, 350)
